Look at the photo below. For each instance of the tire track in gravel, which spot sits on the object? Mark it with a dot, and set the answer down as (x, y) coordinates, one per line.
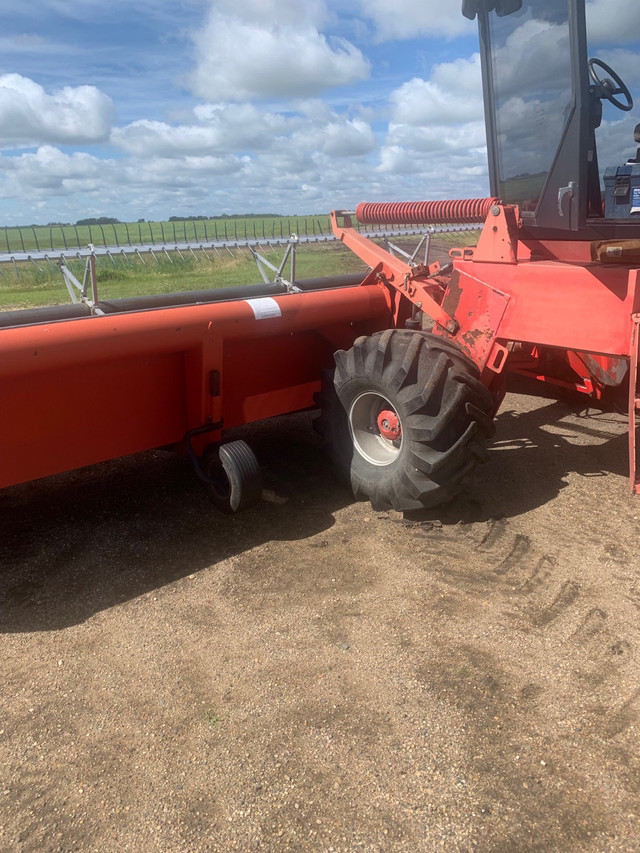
(383, 683)
(537, 593)
(528, 651)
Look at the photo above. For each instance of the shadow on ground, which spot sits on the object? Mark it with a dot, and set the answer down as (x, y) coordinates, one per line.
(538, 443)
(149, 521)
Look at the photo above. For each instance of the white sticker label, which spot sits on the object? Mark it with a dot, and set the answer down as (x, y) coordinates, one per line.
(264, 308)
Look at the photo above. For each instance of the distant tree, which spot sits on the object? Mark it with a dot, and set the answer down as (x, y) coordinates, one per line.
(98, 220)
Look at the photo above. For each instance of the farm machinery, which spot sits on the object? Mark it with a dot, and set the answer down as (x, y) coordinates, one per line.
(407, 364)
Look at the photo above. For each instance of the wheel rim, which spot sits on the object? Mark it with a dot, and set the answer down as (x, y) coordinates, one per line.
(364, 426)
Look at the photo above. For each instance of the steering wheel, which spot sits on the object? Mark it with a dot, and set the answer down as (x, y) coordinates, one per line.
(606, 86)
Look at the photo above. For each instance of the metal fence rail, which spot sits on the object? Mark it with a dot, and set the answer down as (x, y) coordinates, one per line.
(155, 251)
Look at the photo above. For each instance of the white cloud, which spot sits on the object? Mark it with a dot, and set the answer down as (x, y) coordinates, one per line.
(460, 78)
(405, 19)
(253, 50)
(396, 160)
(538, 50)
(420, 102)
(613, 21)
(230, 155)
(224, 158)
(437, 132)
(236, 128)
(337, 137)
(434, 137)
(71, 115)
(49, 171)
(219, 129)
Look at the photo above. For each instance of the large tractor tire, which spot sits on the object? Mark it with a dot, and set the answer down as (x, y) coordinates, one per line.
(404, 418)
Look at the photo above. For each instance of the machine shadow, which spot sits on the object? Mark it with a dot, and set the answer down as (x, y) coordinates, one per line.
(76, 544)
(79, 543)
(533, 452)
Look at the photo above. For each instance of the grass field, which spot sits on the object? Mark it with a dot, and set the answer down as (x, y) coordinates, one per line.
(25, 286)
(51, 237)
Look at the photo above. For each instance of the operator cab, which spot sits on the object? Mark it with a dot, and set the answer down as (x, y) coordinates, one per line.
(545, 101)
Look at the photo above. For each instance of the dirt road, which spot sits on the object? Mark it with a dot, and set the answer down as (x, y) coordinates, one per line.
(315, 676)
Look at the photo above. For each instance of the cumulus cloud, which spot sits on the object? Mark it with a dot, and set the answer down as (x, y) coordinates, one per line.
(538, 50)
(405, 19)
(236, 128)
(437, 131)
(420, 101)
(49, 171)
(71, 115)
(229, 154)
(338, 136)
(613, 21)
(267, 50)
(219, 129)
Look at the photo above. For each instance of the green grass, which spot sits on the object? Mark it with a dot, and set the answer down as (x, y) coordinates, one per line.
(212, 718)
(25, 286)
(45, 238)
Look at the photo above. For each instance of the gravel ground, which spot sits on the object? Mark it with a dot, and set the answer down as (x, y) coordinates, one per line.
(315, 676)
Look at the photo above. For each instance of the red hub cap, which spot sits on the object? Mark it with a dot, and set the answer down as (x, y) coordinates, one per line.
(389, 425)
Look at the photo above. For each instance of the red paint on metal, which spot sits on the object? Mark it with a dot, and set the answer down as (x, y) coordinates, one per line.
(389, 425)
(478, 311)
(82, 391)
(394, 273)
(634, 348)
(583, 307)
(498, 241)
(424, 212)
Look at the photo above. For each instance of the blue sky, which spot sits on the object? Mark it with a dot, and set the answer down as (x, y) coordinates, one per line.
(161, 108)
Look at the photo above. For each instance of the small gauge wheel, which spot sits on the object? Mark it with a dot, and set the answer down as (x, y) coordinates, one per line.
(234, 479)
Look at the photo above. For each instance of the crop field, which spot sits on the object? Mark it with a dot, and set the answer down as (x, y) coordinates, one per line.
(35, 238)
